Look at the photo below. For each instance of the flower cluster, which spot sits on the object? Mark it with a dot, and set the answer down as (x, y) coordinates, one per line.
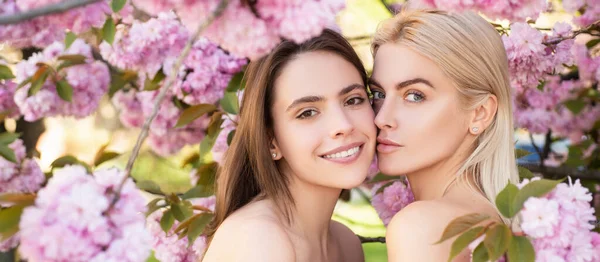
(89, 82)
(393, 198)
(74, 213)
(168, 247)
(24, 176)
(560, 224)
(258, 26)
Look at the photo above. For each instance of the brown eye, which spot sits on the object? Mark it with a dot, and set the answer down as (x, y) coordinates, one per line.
(307, 114)
(355, 101)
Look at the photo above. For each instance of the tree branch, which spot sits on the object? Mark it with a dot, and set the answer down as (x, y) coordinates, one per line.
(371, 239)
(563, 171)
(45, 10)
(163, 92)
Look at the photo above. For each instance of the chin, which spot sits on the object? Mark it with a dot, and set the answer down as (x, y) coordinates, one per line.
(389, 165)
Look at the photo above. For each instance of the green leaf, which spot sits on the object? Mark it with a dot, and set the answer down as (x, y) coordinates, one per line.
(154, 83)
(480, 254)
(505, 200)
(166, 221)
(207, 173)
(17, 199)
(67, 64)
(109, 30)
(525, 173)
(182, 210)
(229, 103)
(520, 249)
(25, 82)
(191, 160)
(379, 190)
(65, 160)
(230, 137)
(64, 90)
(106, 156)
(575, 106)
(381, 177)
(462, 224)
(198, 191)
(236, 82)
(206, 145)
(69, 39)
(80, 59)
(197, 227)
(153, 206)
(6, 73)
(194, 112)
(152, 258)
(8, 137)
(464, 240)
(117, 5)
(214, 127)
(38, 82)
(520, 153)
(497, 239)
(8, 153)
(9, 221)
(149, 186)
(536, 188)
(592, 43)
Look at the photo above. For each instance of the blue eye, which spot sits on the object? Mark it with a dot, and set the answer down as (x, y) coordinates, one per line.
(415, 97)
(378, 95)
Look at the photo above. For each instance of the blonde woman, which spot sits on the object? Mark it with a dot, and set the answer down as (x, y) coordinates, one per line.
(442, 98)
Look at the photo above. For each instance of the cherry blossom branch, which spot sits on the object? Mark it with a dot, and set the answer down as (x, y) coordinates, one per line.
(588, 29)
(563, 171)
(170, 80)
(45, 10)
(371, 239)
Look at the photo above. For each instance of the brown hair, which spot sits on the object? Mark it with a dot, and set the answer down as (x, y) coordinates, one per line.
(248, 168)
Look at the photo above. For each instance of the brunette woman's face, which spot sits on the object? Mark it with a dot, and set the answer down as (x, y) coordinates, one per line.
(323, 121)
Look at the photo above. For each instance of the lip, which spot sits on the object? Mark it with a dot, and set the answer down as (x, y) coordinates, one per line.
(385, 145)
(348, 159)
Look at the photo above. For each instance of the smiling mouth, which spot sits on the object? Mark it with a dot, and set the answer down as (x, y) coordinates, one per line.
(344, 154)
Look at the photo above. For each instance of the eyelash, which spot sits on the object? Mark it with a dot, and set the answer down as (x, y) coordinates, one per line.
(359, 102)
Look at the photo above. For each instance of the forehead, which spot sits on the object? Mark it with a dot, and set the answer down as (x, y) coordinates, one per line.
(316, 74)
(394, 63)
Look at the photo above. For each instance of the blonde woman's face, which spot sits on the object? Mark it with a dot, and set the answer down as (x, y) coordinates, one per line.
(419, 116)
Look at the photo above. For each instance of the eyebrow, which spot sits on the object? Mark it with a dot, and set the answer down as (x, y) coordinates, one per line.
(404, 84)
(314, 99)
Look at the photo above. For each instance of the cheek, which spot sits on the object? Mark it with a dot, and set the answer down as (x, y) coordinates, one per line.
(430, 134)
(362, 120)
(294, 141)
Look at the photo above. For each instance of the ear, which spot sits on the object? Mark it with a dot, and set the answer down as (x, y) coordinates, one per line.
(275, 151)
(484, 114)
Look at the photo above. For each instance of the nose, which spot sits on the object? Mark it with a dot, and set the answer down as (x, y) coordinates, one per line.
(341, 125)
(385, 116)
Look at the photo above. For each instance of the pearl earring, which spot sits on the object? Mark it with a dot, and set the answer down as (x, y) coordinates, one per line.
(475, 129)
(274, 155)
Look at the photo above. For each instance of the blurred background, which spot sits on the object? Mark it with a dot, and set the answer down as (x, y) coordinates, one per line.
(84, 137)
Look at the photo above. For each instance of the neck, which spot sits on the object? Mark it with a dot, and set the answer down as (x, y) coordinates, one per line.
(311, 217)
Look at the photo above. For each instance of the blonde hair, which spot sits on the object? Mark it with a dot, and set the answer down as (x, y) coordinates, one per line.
(469, 51)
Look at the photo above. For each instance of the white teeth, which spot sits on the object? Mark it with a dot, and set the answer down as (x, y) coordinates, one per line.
(347, 153)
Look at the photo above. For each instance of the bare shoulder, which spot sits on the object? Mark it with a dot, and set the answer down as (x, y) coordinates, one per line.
(348, 242)
(253, 234)
(413, 231)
